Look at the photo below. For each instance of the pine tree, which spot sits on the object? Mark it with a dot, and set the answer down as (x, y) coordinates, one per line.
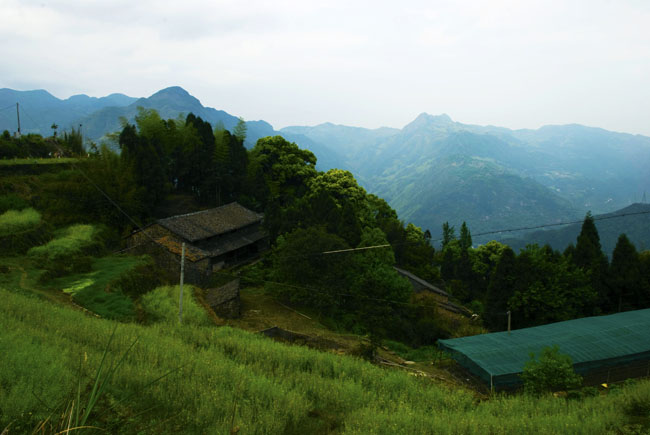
(588, 247)
(589, 257)
(240, 130)
(447, 234)
(625, 275)
(465, 237)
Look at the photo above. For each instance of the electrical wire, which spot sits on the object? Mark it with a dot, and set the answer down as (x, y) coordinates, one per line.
(321, 291)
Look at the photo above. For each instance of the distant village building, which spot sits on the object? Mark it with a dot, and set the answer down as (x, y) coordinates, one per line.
(214, 238)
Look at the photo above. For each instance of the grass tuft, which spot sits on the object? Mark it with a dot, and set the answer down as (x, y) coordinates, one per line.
(13, 221)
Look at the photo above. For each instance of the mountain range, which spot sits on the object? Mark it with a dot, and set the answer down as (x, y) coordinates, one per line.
(431, 171)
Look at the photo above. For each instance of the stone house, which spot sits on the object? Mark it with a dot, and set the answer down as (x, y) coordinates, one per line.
(214, 238)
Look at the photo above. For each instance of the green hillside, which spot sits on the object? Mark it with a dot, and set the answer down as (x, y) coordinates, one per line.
(195, 379)
(478, 191)
(572, 168)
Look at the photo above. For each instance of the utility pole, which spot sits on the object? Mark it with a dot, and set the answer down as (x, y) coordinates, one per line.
(180, 302)
(509, 316)
(18, 117)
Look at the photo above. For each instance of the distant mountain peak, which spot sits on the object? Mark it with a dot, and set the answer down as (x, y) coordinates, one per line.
(173, 90)
(426, 120)
(442, 118)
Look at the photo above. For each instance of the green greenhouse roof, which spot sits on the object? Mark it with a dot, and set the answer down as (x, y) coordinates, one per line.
(591, 342)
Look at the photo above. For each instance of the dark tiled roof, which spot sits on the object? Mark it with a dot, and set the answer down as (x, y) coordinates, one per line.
(422, 282)
(208, 223)
(231, 243)
(192, 253)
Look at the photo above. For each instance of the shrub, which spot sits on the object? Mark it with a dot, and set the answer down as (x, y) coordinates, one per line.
(552, 372)
(636, 402)
(12, 201)
(139, 280)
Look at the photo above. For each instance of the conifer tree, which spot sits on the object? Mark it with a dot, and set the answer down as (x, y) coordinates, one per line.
(447, 234)
(589, 257)
(625, 275)
(465, 237)
(240, 130)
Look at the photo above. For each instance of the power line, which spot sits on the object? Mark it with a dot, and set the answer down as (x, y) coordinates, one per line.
(321, 291)
(598, 218)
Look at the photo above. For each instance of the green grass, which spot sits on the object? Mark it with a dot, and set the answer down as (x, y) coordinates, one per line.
(11, 201)
(13, 221)
(214, 379)
(96, 289)
(71, 241)
(31, 161)
(420, 354)
(161, 305)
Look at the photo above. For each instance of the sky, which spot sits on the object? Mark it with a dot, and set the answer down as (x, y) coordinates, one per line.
(517, 64)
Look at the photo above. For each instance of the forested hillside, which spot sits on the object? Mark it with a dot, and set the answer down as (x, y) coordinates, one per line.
(634, 221)
(436, 170)
(431, 171)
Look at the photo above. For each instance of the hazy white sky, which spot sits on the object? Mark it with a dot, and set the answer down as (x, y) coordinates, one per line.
(367, 63)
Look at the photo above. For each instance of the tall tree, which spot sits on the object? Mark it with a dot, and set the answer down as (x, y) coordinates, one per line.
(145, 159)
(588, 255)
(644, 284)
(240, 130)
(549, 289)
(501, 288)
(447, 234)
(625, 275)
(465, 237)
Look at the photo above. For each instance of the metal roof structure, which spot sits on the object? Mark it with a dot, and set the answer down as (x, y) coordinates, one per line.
(591, 342)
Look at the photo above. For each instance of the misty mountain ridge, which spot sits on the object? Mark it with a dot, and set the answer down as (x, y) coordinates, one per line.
(634, 221)
(432, 170)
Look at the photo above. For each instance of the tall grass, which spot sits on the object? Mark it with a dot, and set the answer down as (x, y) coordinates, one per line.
(69, 251)
(72, 241)
(13, 221)
(162, 305)
(20, 230)
(230, 378)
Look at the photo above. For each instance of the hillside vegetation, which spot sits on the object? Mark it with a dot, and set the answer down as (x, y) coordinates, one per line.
(195, 379)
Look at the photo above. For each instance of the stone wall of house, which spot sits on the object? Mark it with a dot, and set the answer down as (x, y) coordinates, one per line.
(225, 300)
(196, 272)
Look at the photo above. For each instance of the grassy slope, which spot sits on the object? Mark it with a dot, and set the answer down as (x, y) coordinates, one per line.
(90, 289)
(229, 377)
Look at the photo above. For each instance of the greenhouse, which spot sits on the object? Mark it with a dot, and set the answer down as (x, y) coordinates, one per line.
(603, 349)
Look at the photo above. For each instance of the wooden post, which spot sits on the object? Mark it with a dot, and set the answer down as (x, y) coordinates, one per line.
(180, 302)
(509, 317)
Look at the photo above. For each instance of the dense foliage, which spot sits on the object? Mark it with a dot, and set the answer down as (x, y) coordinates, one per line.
(540, 285)
(309, 212)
